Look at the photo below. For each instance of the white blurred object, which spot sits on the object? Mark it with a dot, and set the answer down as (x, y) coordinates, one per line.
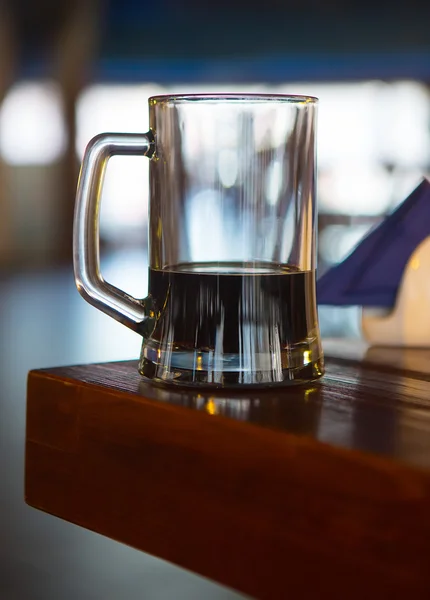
(32, 128)
(408, 324)
(401, 124)
(356, 189)
(345, 122)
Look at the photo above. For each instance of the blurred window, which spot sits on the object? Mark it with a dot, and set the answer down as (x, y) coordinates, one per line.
(373, 145)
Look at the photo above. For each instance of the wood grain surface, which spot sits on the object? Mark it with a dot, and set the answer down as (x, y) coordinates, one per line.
(318, 491)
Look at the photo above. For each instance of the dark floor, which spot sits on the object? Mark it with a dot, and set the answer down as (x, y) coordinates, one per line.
(44, 322)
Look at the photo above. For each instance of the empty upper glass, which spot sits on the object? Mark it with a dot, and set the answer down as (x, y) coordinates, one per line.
(232, 218)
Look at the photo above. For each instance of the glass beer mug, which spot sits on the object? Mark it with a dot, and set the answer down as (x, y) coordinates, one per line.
(232, 217)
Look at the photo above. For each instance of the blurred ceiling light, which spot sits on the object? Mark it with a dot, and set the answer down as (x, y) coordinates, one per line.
(32, 129)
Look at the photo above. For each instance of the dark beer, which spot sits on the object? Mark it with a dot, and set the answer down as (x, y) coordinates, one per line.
(231, 323)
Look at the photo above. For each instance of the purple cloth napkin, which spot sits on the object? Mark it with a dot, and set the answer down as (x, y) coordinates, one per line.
(371, 274)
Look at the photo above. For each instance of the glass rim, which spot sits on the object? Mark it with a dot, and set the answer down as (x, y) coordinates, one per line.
(238, 97)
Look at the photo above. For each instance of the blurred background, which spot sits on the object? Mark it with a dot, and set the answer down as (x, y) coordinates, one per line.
(69, 70)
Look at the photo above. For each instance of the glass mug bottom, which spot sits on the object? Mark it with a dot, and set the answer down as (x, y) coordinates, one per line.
(228, 324)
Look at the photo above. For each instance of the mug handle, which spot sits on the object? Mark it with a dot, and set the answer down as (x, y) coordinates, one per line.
(86, 244)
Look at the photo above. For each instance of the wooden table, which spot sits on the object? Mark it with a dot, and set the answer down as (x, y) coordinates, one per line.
(318, 491)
